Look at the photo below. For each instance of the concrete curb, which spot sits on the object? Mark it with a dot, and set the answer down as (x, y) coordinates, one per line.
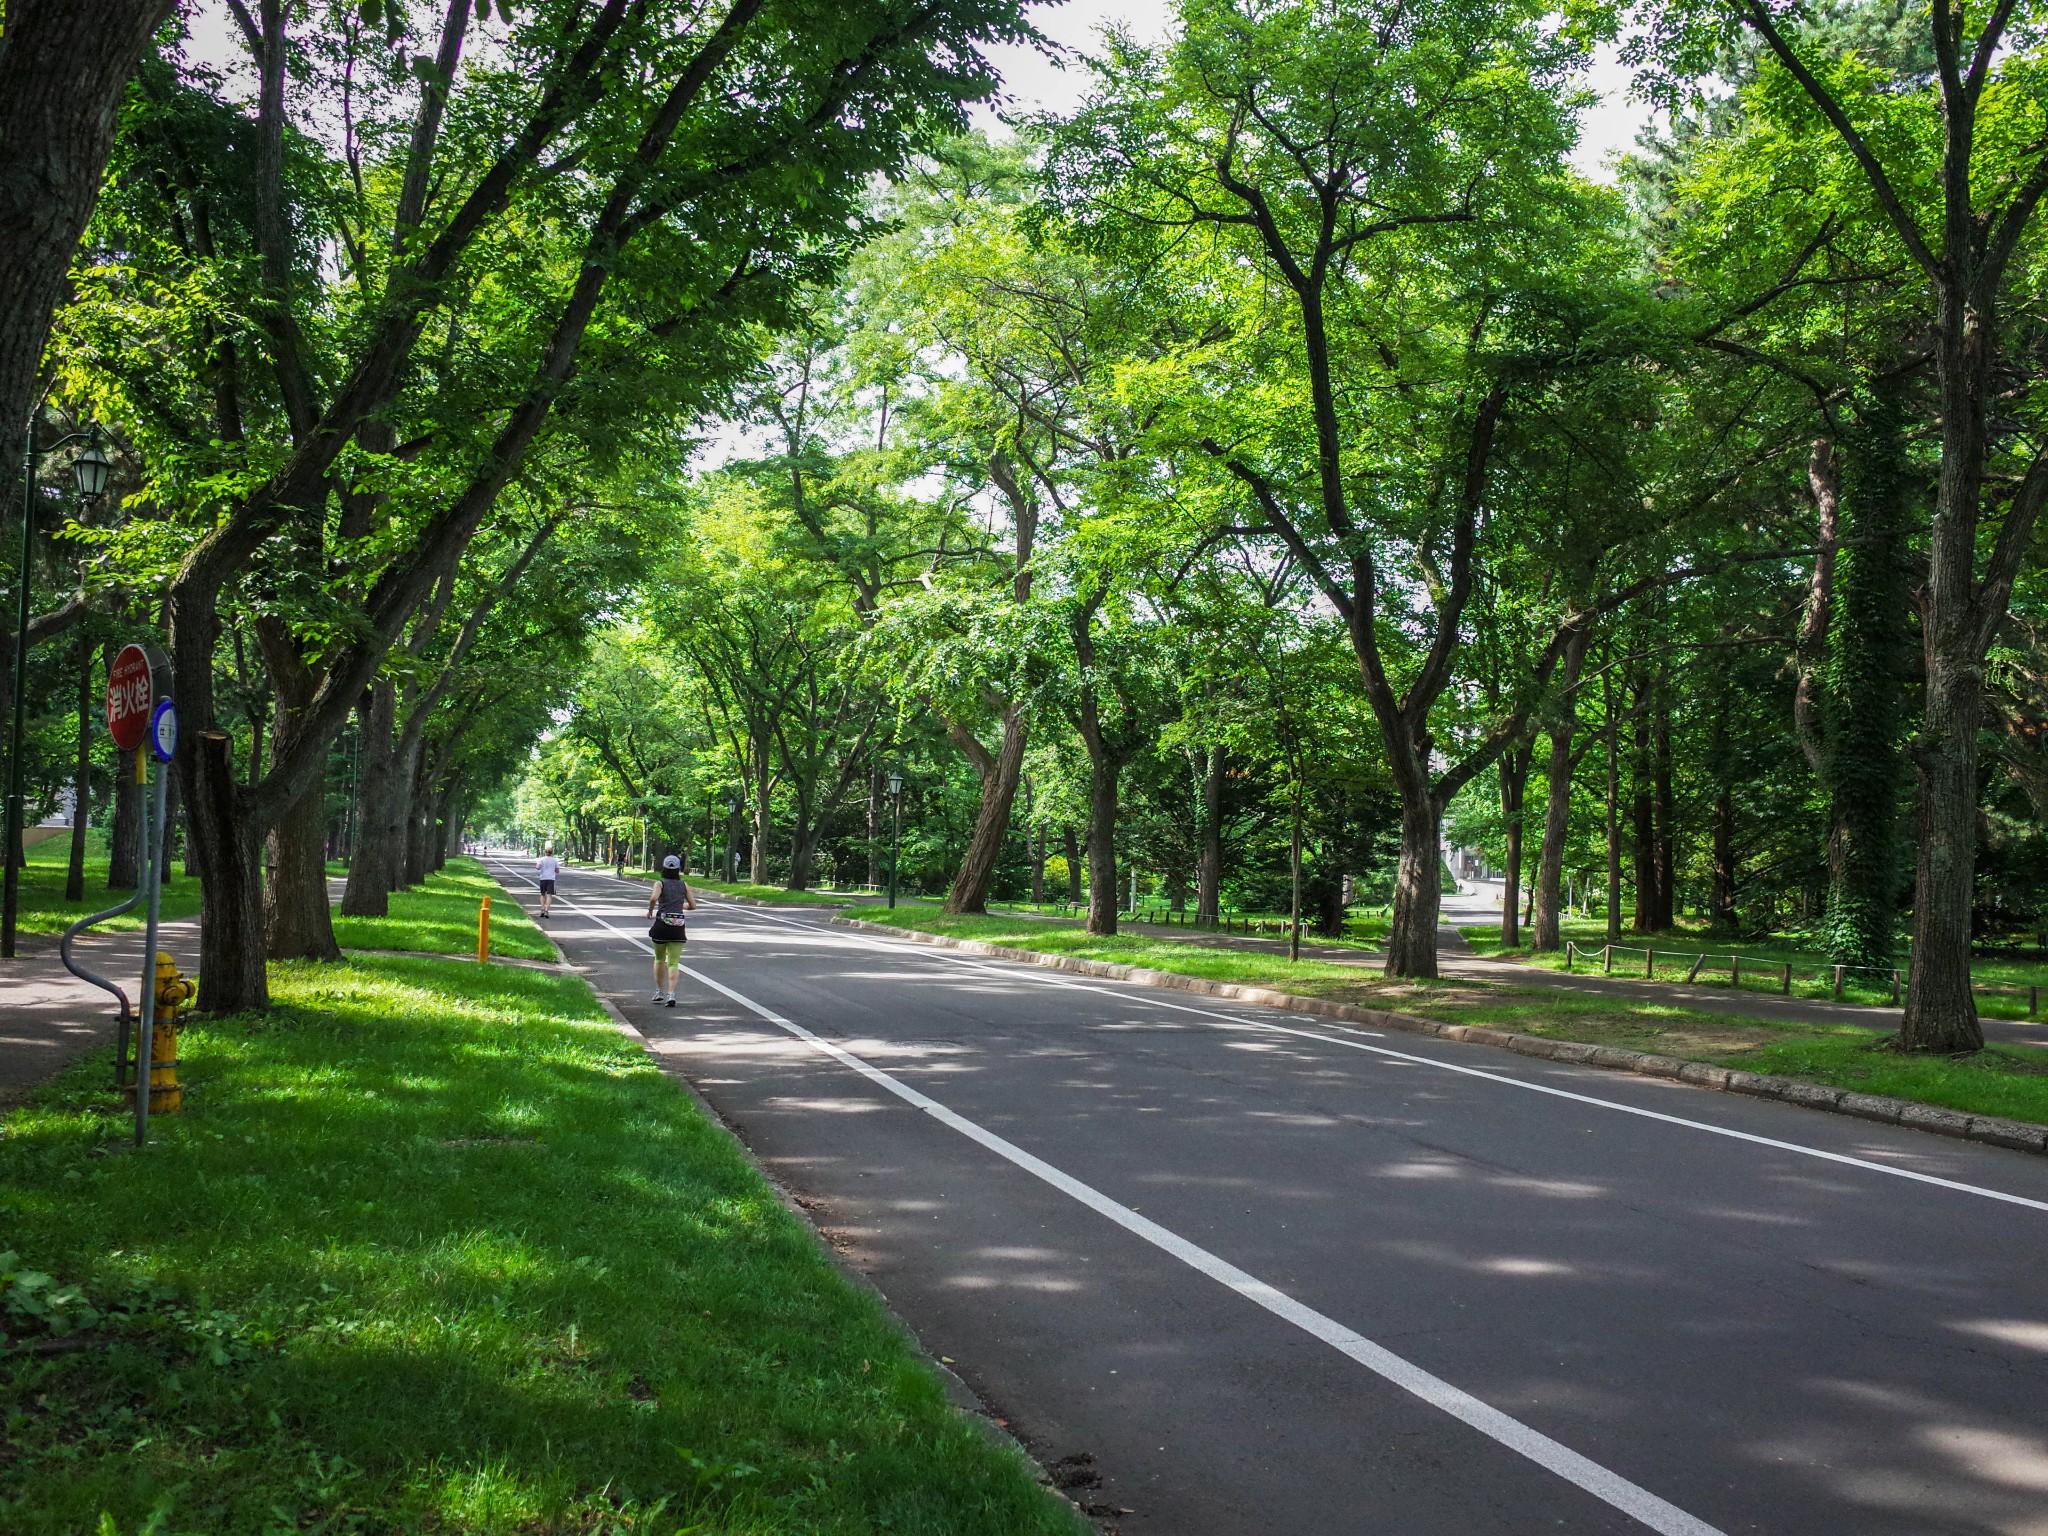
(2014, 1135)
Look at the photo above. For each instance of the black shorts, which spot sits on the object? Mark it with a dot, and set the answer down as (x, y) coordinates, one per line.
(547, 887)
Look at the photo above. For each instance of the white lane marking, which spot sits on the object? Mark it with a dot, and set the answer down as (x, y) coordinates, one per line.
(1582, 1472)
(1610, 1487)
(1018, 969)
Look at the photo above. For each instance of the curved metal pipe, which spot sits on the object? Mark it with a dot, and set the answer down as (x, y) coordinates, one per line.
(71, 965)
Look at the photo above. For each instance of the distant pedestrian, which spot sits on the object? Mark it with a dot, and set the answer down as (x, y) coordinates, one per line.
(666, 904)
(547, 869)
(619, 860)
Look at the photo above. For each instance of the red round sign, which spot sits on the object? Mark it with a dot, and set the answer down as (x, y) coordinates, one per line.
(130, 693)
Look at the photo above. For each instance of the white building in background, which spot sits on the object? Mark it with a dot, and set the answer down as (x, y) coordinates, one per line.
(60, 817)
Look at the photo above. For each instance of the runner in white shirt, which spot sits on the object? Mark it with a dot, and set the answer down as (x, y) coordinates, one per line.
(545, 869)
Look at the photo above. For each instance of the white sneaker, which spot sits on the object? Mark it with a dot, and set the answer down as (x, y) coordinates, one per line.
(659, 997)
(671, 999)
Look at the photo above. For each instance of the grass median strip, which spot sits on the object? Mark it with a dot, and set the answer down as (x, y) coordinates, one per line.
(434, 1249)
(2002, 1080)
(439, 917)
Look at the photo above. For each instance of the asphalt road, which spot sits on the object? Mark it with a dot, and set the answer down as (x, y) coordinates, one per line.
(1255, 1273)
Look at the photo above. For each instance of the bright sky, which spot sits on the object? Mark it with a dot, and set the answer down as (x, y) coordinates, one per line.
(1035, 82)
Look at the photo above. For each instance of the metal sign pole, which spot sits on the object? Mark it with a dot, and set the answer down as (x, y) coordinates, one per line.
(151, 866)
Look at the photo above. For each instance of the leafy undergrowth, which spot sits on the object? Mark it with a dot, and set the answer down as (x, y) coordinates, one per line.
(2001, 1080)
(44, 909)
(434, 1250)
(439, 918)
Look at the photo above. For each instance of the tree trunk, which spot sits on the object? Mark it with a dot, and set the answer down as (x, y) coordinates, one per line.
(1038, 864)
(1724, 862)
(874, 827)
(296, 917)
(1643, 818)
(1514, 783)
(419, 815)
(454, 809)
(1557, 810)
(63, 67)
(1666, 864)
(1418, 890)
(370, 865)
(1613, 814)
(297, 920)
(757, 869)
(1209, 871)
(124, 836)
(229, 854)
(1330, 908)
(1071, 847)
(803, 844)
(1941, 1010)
(1102, 809)
(81, 779)
(992, 822)
(1862, 704)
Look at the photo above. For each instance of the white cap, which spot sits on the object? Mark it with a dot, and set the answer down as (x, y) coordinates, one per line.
(671, 862)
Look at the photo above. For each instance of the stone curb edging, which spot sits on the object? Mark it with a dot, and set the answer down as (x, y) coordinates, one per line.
(2014, 1135)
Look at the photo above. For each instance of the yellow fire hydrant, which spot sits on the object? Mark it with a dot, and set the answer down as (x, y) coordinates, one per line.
(173, 992)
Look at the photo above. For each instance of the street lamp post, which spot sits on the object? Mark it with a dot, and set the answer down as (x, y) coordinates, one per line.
(89, 470)
(896, 831)
(732, 842)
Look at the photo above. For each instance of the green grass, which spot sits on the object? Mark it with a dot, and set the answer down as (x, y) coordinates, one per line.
(439, 917)
(433, 1250)
(2001, 1080)
(2002, 983)
(44, 909)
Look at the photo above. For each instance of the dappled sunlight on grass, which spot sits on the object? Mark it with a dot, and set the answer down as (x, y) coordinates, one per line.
(458, 1255)
(44, 909)
(439, 917)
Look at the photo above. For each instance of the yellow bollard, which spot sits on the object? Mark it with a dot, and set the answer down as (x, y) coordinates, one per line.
(173, 992)
(483, 932)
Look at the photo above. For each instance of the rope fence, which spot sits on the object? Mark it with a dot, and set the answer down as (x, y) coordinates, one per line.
(1832, 978)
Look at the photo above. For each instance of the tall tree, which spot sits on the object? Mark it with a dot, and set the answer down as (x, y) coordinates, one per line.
(1958, 181)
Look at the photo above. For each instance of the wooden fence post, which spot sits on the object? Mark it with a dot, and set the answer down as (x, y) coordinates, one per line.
(1838, 982)
(1787, 988)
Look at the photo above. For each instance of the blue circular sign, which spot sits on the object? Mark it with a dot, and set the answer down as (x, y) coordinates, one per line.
(163, 731)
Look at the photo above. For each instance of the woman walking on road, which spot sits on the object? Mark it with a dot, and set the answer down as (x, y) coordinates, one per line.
(666, 904)
(546, 869)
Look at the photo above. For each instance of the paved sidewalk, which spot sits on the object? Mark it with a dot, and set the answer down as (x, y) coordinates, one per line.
(48, 1017)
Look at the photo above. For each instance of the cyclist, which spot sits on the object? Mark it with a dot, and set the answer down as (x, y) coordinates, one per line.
(666, 904)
